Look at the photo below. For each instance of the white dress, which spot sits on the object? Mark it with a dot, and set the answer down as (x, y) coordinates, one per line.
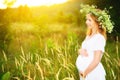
(96, 42)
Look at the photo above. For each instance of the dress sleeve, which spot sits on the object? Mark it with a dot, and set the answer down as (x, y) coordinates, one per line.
(99, 43)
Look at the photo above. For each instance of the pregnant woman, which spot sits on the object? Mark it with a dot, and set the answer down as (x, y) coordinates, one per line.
(89, 59)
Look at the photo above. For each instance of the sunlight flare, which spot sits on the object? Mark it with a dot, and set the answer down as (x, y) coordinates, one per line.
(31, 3)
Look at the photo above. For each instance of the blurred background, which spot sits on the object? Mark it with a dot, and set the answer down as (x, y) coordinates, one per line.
(39, 39)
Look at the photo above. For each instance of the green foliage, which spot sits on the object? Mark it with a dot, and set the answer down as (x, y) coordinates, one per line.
(102, 16)
(41, 15)
(5, 76)
(9, 3)
(4, 37)
(51, 54)
(42, 44)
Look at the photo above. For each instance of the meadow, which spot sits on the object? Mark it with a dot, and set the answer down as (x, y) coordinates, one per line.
(41, 43)
(49, 52)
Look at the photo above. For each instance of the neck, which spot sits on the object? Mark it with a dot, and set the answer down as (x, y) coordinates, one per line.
(94, 31)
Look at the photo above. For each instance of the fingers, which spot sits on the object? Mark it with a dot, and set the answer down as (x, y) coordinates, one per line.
(83, 52)
(82, 74)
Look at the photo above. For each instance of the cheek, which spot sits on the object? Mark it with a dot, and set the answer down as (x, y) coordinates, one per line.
(88, 23)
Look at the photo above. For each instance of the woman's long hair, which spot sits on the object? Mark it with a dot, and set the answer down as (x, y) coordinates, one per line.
(101, 30)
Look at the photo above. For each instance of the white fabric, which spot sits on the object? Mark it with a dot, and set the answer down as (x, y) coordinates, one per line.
(96, 42)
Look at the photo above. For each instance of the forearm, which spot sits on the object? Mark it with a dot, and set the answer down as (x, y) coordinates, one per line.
(91, 67)
(94, 63)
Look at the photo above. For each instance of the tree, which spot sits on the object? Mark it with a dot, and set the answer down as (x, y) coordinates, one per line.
(9, 3)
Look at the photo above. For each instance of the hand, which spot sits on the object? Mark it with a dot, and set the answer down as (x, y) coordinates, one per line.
(82, 52)
(82, 74)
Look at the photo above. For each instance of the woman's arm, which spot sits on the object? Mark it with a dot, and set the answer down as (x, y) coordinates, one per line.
(94, 63)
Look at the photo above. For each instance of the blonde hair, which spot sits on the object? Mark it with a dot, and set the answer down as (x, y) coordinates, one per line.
(101, 29)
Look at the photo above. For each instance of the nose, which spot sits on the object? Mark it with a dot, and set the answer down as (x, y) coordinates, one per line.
(86, 22)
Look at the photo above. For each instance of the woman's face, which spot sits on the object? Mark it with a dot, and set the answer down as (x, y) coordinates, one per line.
(89, 21)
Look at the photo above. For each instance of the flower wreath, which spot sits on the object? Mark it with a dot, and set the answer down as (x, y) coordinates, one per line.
(102, 16)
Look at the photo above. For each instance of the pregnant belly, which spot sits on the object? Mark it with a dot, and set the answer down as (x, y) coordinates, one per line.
(82, 62)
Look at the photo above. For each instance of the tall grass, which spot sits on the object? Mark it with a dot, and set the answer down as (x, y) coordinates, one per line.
(52, 57)
(49, 63)
(111, 60)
